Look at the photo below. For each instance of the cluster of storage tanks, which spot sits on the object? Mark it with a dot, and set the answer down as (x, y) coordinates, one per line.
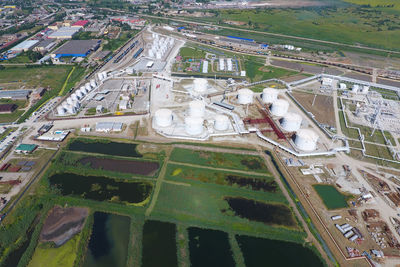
(194, 122)
(72, 104)
(359, 89)
(305, 139)
(102, 75)
(159, 46)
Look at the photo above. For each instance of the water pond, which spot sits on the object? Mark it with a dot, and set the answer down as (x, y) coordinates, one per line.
(105, 147)
(108, 244)
(257, 251)
(209, 248)
(100, 188)
(159, 244)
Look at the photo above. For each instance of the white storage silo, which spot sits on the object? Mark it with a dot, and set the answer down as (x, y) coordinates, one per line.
(70, 109)
(104, 73)
(93, 83)
(245, 96)
(60, 110)
(355, 88)
(79, 94)
(64, 105)
(306, 140)
(163, 117)
(291, 122)
(193, 125)
(74, 97)
(200, 85)
(69, 100)
(197, 108)
(221, 122)
(269, 95)
(83, 89)
(365, 89)
(158, 55)
(76, 104)
(342, 86)
(279, 107)
(88, 87)
(100, 76)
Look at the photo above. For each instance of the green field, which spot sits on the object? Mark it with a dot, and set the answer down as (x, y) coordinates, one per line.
(192, 53)
(220, 160)
(256, 70)
(376, 27)
(64, 255)
(331, 197)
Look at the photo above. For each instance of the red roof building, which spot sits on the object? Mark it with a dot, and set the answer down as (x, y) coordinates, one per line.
(80, 23)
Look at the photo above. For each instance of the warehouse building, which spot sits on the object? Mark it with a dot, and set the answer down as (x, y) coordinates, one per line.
(15, 94)
(108, 127)
(7, 108)
(64, 33)
(25, 148)
(77, 48)
(24, 46)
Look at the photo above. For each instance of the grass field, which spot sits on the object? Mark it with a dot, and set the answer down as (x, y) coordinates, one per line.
(331, 197)
(193, 53)
(377, 27)
(220, 160)
(256, 70)
(50, 256)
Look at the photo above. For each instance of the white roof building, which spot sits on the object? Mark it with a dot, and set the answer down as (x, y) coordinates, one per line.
(24, 46)
(109, 127)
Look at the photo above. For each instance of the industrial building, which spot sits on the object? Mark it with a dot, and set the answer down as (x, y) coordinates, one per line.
(64, 33)
(15, 94)
(108, 127)
(25, 148)
(77, 48)
(24, 46)
(7, 108)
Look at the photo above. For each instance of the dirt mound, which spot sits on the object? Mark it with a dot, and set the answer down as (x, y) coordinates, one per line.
(62, 224)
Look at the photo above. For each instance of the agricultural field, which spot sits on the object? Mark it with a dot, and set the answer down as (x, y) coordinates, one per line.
(357, 25)
(220, 160)
(331, 197)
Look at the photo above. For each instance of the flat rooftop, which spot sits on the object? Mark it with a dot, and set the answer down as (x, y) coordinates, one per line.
(77, 47)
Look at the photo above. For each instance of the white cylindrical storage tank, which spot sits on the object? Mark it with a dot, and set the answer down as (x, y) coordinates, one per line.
(60, 110)
(70, 109)
(100, 76)
(88, 87)
(163, 117)
(279, 107)
(74, 97)
(306, 140)
(75, 104)
(193, 125)
(83, 89)
(104, 75)
(365, 89)
(158, 55)
(291, 122)
(245, 96)
(269, 95)
(355, 88)
(64, 105)
(151, 53)
(197, 108)
(93, 83)
(79, 94)
(69, 100)
(200, 85)
(221, 123)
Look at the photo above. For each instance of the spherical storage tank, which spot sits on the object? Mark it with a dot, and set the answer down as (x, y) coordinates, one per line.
(193, 125)
(306, 140)
(279, 107)
(200, 85)
(163, 117)
(221, 123)
(245, 96)
(60, 110)
(269, 95)
(196, 108)
(291, 122)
